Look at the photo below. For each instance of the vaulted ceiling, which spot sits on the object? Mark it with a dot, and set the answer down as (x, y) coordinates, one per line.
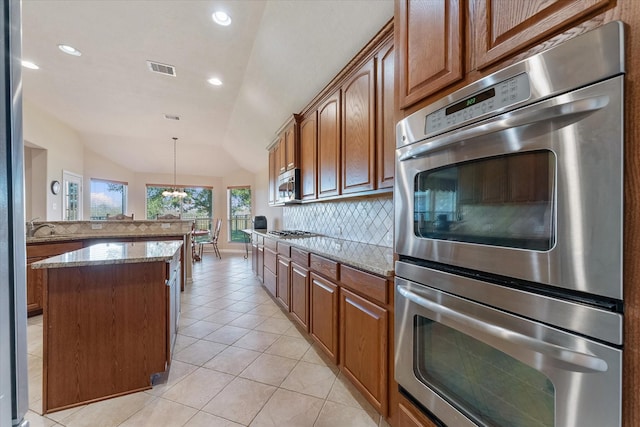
(273, 58)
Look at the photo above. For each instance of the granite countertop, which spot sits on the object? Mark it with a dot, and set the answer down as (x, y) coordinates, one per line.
(371, 258)
(85, 236)
(58, 231)
(113, 253)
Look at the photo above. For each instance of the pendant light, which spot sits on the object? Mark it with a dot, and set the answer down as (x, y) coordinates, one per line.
(175, 192)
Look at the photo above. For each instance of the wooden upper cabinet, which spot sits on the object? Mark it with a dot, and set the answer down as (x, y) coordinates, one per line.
(386, 125)
(502, 28)
(429, 36)
(273, 175)
(290, 143)
(308, 156)
(358, 130)
(281, 156)
(329, 146)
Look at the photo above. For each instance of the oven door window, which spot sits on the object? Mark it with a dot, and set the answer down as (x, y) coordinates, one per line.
(489, 386)
(499, 201)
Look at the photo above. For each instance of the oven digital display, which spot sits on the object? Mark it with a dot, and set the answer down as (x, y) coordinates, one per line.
(465, 103)
(500, 95)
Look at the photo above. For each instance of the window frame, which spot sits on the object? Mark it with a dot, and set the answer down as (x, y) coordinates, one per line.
(240, 238)
(125, 196)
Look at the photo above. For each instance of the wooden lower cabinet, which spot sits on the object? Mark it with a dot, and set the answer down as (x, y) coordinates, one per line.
(107, 339)
(283, 282)
(36, 278)
(260, 263)
(300, 295)
(323, 324)
(408, 416)
(363, 346)
(270, 270)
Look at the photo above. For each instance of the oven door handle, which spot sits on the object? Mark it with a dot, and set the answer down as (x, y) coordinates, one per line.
(568, 358)
(515, 119)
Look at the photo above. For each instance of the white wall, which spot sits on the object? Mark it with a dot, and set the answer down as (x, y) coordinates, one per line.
(261, 201)
(65, 151)
(55, 147)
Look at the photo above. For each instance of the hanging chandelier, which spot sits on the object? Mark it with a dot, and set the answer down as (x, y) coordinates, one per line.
(175, 193)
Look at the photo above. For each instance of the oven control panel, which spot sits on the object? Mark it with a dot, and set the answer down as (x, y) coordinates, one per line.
(498, 96)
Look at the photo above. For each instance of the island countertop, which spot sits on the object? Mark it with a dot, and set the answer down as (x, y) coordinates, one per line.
(113, 253)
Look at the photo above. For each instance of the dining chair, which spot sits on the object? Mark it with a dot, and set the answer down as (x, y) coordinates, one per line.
(214, 235)
(119, 217)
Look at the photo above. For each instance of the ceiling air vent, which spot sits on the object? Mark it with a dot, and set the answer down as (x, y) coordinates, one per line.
(166, 69)
(171, 117)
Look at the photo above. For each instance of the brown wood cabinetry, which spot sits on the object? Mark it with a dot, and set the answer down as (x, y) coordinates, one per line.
(358, 130)
(300, 294)
(281, 156)
(363, 346)
(385, 119)
(347, 311)
(308, 156)
(283, 279)
(346, 135)
(291, 146)
(270, 267)
(408, 416)
(108, 328)
(429, 46)
(300, 287)
(433, 37)
(323, 324)
(36, 278)
(329, 146)
(501, 29)
(273, 176)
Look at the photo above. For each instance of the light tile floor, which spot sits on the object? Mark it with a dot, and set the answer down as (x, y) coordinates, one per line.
(238, 361)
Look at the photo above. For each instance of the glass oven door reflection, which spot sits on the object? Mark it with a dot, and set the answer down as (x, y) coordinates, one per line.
(492, 388)
(471, 364)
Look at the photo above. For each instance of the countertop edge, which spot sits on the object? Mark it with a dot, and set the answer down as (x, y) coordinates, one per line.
(384, 271)
(55, 262)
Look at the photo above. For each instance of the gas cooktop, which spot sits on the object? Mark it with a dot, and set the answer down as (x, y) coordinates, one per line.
(292, 233)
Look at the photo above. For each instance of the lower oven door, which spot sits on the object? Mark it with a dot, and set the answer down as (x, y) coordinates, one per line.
(470, 364)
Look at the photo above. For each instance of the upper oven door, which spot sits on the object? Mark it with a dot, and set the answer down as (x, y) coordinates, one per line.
(534, 193)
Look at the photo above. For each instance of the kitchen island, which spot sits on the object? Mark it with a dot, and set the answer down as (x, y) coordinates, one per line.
(110, 316)
(47, 239)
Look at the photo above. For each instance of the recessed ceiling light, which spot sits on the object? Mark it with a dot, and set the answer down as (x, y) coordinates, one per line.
(69, 49)
(221, 18)
(215, 81)
(30, 65)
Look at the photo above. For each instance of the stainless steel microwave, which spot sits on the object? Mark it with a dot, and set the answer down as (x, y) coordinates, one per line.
(289, 186)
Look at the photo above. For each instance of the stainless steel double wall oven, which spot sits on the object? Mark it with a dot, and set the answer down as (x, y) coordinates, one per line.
(509, 210)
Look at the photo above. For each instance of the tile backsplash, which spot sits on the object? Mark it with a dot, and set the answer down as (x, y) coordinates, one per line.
(367, 220)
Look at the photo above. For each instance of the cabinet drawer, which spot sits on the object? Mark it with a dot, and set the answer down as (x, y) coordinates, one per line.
(270, 260)
(300, 257)
(371, 286)
(271, 244)
(52, 249)
(325, 266)
(284, 249)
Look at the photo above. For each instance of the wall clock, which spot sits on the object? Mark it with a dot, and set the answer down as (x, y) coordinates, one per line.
(55, 187)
